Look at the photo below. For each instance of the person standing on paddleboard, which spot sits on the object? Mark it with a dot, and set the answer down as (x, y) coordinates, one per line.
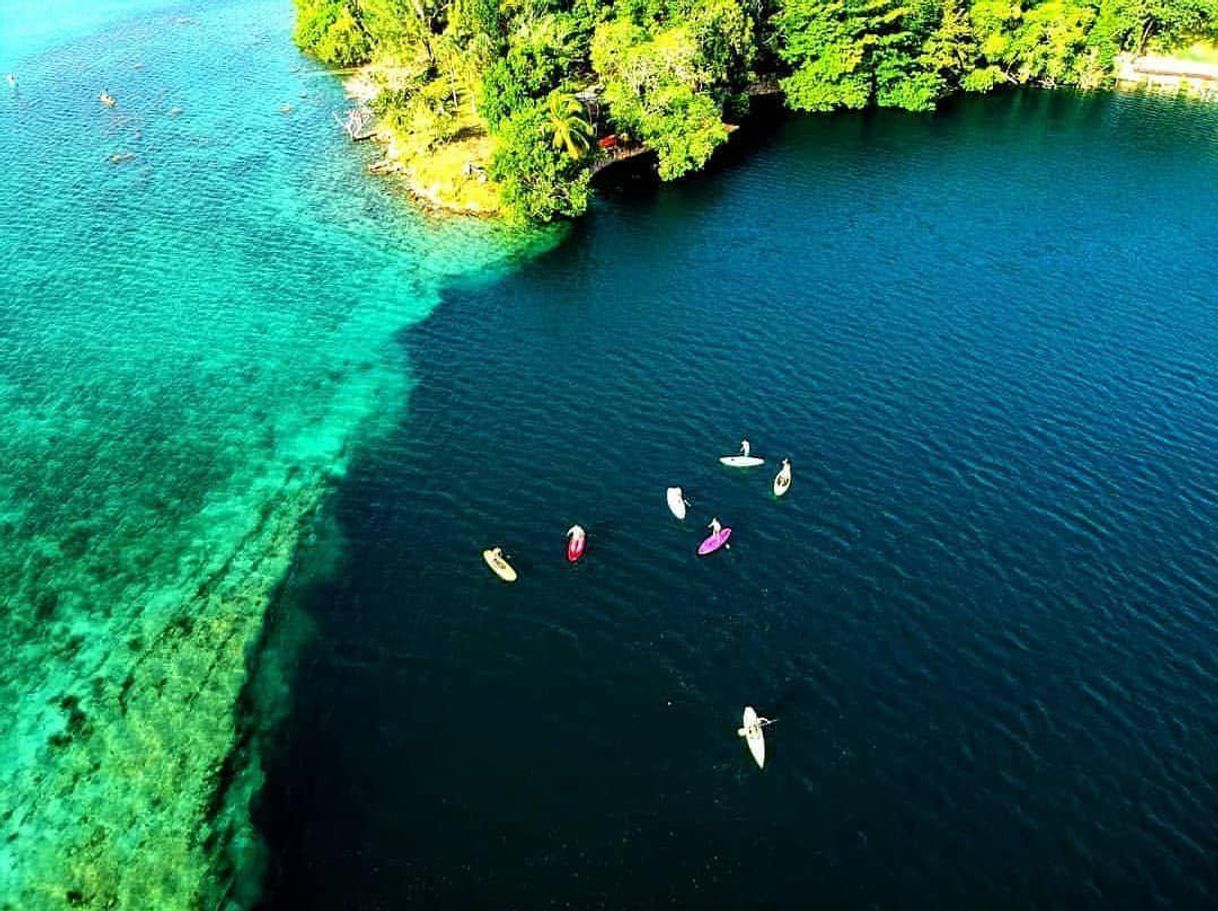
(744, 448)
(714, 526)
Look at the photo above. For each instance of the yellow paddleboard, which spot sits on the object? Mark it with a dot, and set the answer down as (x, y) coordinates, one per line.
(494, 559)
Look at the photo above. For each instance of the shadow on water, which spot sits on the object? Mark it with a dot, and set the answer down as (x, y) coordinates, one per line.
(983, 614)
(195, 333)
(239, 866)
(636, 179)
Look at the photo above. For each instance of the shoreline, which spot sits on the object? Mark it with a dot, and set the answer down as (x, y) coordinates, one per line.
(1167, 75)
(439, 191)
(442, 180)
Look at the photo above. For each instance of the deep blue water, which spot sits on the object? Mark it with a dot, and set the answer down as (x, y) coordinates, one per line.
(200, 291)
(986, 615)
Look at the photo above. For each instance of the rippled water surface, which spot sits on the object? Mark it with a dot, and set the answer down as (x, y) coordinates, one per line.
(985, 615)
(199, 292)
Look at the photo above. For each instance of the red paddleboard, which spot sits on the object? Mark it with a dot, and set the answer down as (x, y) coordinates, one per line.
(714, 542)
(577, 540)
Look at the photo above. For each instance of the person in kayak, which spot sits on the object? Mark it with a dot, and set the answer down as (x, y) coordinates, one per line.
(744, 448)
(715, 527)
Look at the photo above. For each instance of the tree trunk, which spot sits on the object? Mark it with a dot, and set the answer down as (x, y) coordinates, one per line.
(1148, 29)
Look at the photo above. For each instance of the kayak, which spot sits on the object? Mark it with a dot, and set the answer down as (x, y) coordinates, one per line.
(499, 566)
(751, 732)
(676, 502)
(741, 461)
(577, 539)
(713, 542)
(782, 481)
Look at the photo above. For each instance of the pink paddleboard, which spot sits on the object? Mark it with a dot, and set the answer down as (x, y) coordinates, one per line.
(714, 542)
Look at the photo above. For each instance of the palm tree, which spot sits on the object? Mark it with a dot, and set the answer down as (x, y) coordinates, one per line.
(566, 124)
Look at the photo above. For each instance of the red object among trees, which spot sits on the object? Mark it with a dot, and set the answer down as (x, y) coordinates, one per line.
(607, 142)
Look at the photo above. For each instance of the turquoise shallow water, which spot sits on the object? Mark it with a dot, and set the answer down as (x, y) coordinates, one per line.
(27, 27)
(199, 289)
(986, 615)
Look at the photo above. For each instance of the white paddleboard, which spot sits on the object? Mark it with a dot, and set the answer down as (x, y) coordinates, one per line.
(782, 481)
(676, 502)
(741, 461)
(751, 732)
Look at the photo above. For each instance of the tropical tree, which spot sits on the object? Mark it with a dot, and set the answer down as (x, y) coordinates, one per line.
(537, 181)
(497, 73)
(950, 51)
(566, 125)
(1168, 23)
(852, 53)
(663, 89)
(331, 31)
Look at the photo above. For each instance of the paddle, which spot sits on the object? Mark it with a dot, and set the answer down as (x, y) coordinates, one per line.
(761, 723)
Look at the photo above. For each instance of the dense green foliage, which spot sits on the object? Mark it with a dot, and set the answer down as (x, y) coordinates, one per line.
(670, 74)
(331, 31)
(667, 73)
(540, 179)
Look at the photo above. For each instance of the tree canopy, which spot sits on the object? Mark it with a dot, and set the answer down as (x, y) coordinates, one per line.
(671, 74)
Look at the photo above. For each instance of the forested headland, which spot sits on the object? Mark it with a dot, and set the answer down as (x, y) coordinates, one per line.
(516, 99)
